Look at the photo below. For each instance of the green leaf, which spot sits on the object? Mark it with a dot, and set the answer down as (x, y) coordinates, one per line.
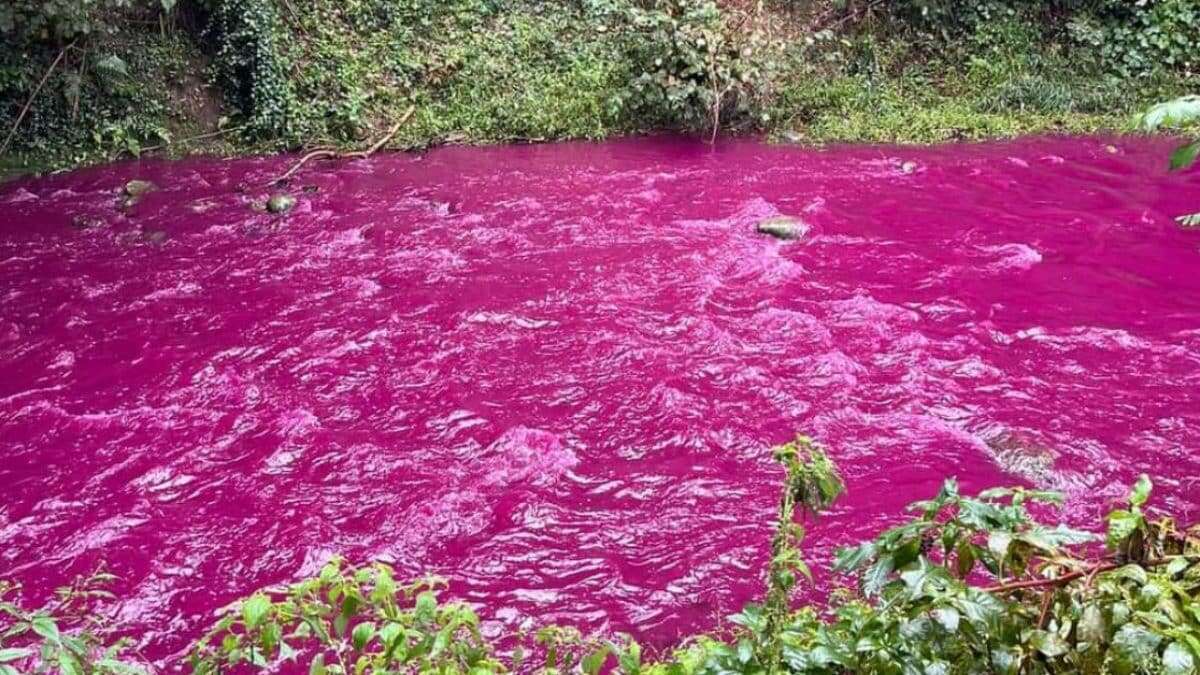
(745, 651)
(120, 667)
(877, 575)
(979, 608)
(1049, 644)
(13, 654)
(47, 628)
(1092, 626)
(594, 661)
(317, 667)
(1189, 220)
(389, 633)
(426, 606)
(965, 559)
(849, 559)
(255, 609)
(1050, 539)
(998, 543)
(630, 658)
(1006, 661)
(1141, 489)
(68, 664)
(1135, 643)
(1185, 155)
(113, 64)
(948, 618)
(1171, 113)
(1121, 524)
(385, 585)
(362, 634)
(1178, 660)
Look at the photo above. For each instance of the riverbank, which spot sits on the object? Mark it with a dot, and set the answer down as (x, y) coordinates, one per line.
(335, 74)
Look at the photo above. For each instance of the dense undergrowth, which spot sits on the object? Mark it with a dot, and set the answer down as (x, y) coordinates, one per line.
(984, 584)
(91, 79)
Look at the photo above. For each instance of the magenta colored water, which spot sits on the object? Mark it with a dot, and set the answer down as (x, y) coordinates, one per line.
(553, 374)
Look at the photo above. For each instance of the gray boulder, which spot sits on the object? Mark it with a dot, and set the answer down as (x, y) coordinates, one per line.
(783, 227)
(280, 203)
(137, 188)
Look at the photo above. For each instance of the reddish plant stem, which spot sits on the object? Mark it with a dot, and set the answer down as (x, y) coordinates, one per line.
(1071, 576)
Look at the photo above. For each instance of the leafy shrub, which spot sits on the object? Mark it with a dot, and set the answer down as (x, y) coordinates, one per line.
(249, 63)
(349, 620)
(60, 21)
(34, 641)
(1139, 38)
(1183, 111)
(695, 67)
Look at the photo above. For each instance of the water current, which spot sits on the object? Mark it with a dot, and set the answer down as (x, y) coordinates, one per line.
(553, 374)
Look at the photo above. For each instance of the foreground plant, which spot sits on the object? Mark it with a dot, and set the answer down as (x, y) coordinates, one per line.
(38, 641)
(1181, 111)
(983, 584)
(349, 620)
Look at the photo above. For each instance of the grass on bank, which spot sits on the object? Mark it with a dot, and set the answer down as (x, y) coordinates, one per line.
(484, 71)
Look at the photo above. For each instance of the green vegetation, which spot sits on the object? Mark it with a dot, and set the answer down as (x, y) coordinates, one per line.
(967, 585)
(1182, 112)
(88, 80)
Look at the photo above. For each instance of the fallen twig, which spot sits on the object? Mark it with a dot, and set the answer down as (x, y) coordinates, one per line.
(29, 103)
(210, 134)
(326, 153)
(853, 15)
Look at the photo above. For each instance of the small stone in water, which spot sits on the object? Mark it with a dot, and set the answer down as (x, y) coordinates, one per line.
(137, 188)
(154, 236)
(280, 203)
(909, 167)
(1025, 457)
(783, 227)
(84, 222)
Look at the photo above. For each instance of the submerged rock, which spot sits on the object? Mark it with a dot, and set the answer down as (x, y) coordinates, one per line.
(134, 190)
(1025, 457)
(87, 222)
(909, 167)
(280, 203)
(155, 237)
(783, 227)
(137, 188)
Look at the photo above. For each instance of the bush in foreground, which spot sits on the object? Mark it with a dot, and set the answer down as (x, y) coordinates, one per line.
(968, 585)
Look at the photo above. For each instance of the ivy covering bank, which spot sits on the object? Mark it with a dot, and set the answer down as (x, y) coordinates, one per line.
(89, 80)
(969, 584)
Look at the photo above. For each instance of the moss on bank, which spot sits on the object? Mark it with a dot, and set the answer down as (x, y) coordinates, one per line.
(265, 77)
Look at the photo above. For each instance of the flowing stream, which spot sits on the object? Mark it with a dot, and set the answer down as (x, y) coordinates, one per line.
(553, 374)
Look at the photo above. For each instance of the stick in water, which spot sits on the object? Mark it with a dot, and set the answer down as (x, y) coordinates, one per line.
(325, 153)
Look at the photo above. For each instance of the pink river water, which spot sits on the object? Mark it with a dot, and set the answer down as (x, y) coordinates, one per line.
(553, 374)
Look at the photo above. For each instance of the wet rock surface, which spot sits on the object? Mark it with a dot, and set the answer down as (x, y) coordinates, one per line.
(279, 203)
(783, 227)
